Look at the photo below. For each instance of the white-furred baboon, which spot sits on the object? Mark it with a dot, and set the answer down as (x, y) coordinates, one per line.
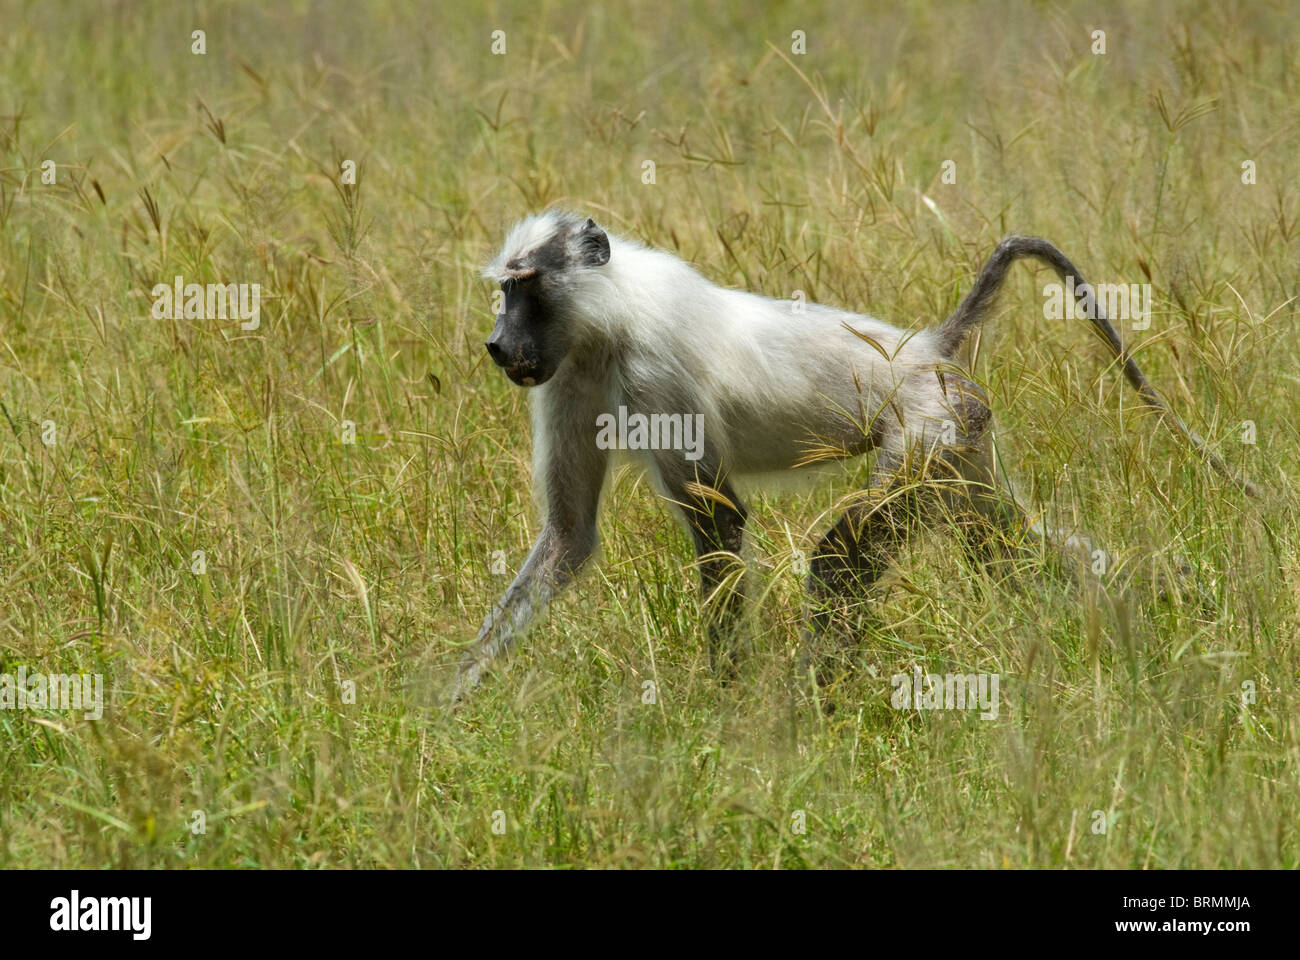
(592, 323)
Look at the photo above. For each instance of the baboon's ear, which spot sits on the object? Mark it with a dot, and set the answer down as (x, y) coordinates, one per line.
(593, 245)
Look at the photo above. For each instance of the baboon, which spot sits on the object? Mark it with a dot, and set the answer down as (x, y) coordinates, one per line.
(591, 323)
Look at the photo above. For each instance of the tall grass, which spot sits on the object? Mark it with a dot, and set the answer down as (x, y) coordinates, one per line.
(289, 692)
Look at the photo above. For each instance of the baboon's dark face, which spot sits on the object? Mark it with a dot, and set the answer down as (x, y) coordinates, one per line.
(530, 339)
(532, 334)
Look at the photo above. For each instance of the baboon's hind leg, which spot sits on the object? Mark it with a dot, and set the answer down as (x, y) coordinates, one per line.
(939, 475)
(849, 561)
(1000, 537)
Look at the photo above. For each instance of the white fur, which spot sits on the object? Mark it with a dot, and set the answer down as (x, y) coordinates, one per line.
(774, 382)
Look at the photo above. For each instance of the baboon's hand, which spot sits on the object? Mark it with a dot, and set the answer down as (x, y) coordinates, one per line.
(474, 661)
(467, 678)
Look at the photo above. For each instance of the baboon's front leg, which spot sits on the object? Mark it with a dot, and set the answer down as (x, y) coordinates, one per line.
(716, 519)
(572, 470)
(551, 565)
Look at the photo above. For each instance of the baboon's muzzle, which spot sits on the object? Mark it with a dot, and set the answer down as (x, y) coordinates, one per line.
(525, 373)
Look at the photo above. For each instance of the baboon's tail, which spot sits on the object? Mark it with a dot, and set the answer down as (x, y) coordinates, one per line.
(952, 332)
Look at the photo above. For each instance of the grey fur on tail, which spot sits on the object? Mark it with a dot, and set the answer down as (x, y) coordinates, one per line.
(950, 334)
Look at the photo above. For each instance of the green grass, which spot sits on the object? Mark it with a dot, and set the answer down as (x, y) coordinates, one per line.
(370, 563)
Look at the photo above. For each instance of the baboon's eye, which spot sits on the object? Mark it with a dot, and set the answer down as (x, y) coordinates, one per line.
(509, 283)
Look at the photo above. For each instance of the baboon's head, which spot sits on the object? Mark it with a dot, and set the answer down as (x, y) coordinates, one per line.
(544, 259)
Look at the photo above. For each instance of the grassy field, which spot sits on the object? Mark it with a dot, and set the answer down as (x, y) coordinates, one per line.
(280, 707)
